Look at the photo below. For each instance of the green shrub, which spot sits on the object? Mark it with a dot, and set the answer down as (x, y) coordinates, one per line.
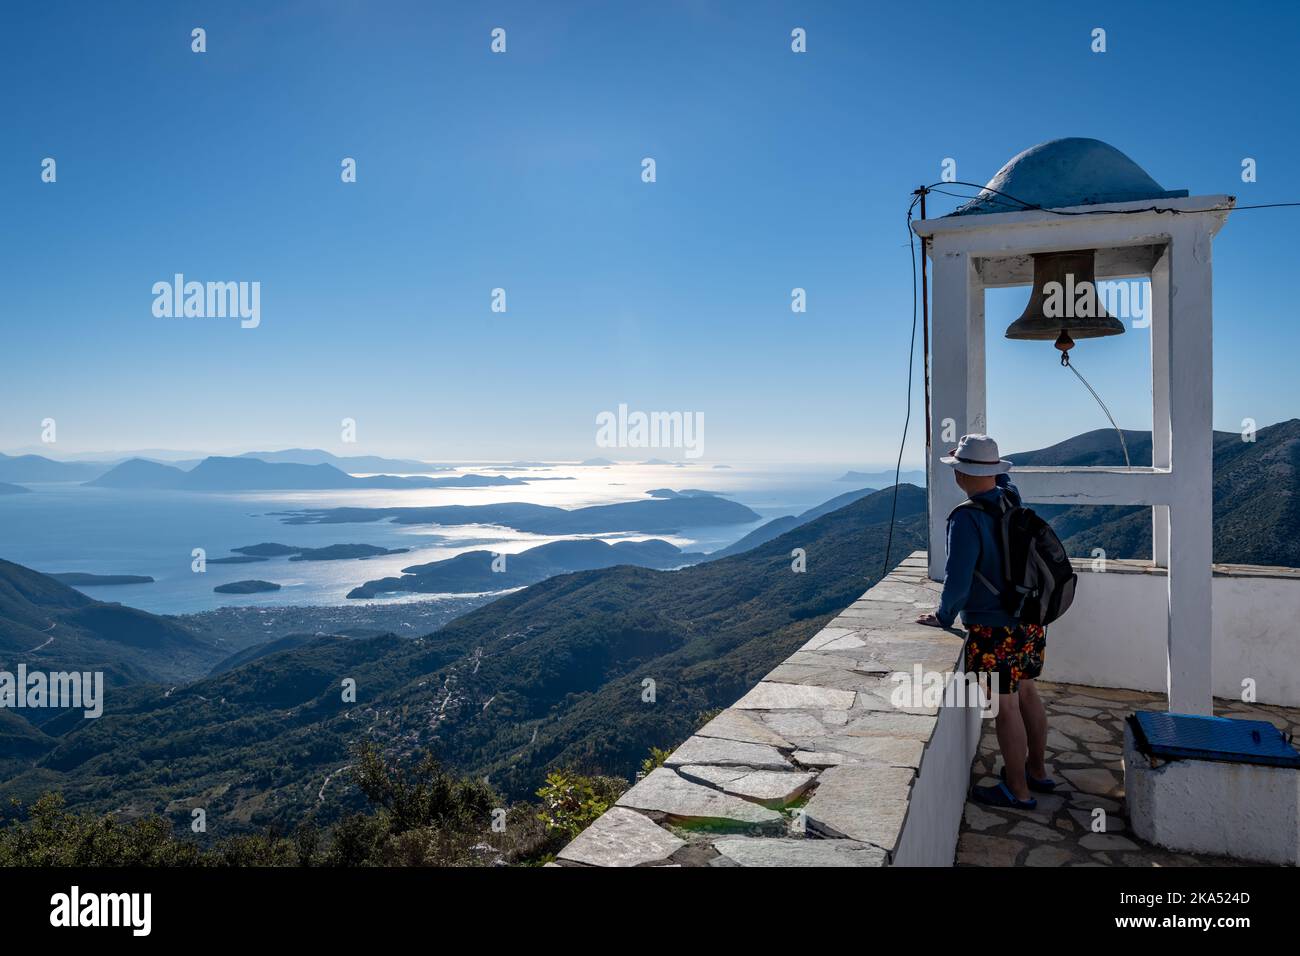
(570, 801)
(656, 759)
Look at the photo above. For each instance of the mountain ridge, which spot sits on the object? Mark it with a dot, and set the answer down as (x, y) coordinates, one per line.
(52, 626)
(478, 571)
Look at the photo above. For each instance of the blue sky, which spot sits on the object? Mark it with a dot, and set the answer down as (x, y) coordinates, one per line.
(523, 171)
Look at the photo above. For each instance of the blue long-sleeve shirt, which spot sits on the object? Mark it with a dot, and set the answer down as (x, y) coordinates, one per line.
(973, 541)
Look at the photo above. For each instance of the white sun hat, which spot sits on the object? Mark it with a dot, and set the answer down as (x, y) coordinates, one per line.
(977, 455)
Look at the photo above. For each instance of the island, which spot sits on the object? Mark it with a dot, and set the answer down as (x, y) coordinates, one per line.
(333, 552)
(268, 549)
(79, 578)
(483, 571)
(683, 493)
(648, 516)
(246, 587)
(883, 479)
(252, 474)
(344, 552)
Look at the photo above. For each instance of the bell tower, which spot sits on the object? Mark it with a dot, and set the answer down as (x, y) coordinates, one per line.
(1082, 210)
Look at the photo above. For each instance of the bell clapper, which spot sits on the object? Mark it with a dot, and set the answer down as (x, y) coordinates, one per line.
(1064, 343)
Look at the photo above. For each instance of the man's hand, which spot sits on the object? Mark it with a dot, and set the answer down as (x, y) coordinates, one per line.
(930, 620)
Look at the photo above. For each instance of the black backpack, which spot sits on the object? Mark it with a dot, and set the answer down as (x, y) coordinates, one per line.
(1039, 577)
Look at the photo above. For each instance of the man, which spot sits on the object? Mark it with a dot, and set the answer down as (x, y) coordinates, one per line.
(996, 642)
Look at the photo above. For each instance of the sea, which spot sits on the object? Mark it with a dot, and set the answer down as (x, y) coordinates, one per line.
(70, 527)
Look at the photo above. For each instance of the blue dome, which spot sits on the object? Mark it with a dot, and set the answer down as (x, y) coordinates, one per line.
(1074, 171)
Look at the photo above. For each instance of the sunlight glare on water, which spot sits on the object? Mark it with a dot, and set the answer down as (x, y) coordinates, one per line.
(70, 527)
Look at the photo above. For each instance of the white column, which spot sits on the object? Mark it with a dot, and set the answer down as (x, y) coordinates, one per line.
(950, 343)
(976, 384)
(1159, 332)
(1191, 450)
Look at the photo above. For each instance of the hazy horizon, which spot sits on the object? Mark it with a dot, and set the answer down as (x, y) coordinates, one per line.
(175, 455)
(668, 456)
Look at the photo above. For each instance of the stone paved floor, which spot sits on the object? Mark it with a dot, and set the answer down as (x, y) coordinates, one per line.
(1084, 745)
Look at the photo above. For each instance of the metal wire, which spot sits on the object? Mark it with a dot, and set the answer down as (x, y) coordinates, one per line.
(1065, 360)
(911, 355)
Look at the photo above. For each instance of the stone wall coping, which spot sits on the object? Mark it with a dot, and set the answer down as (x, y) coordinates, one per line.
(1132, 566)
(814, 766)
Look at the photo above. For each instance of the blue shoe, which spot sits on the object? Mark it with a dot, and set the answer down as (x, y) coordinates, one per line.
(1001, 796)
(1045, 785)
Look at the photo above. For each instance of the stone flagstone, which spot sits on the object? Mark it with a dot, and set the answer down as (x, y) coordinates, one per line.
(1097, 781)
(977, 849)
(821, 758)
(796, 723)
(827, 635)
(734, 725)
(621, 837)
(1035, 832)
(977, 818)
(1080, 728)
(1047, 856)
(772, 696)
(882, 723)
(663, 791)
(757, 851)
(861, 803)
(845, 643)
(788, 673)
(734, 753)
(1058, 741)
(890, 751)
(1087, 819)
(769, 787)
(1106, 841)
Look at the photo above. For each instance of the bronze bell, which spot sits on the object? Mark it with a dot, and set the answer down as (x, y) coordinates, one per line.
(1069, 309)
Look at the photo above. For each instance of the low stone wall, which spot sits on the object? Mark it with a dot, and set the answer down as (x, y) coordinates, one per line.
(1115, 635)
(817, 765)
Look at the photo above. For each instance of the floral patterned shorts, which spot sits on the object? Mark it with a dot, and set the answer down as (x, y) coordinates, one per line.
(1012, 653)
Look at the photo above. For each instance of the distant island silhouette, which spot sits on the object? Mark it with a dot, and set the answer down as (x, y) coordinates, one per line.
(76, 578)
(246, 587)
(253, 474)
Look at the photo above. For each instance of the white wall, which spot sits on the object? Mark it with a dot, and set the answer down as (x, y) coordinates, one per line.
(938, 798)
(1114, 635)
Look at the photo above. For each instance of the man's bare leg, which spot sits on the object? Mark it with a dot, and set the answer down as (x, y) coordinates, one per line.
(1035, 720)
(1012, 740)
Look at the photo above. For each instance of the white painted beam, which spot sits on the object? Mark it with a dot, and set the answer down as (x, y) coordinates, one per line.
(1093, 486)
(1008, 233)
(1116, 262)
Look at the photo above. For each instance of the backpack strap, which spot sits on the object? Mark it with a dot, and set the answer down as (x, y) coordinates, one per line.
(998, 513)
(985, 581)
